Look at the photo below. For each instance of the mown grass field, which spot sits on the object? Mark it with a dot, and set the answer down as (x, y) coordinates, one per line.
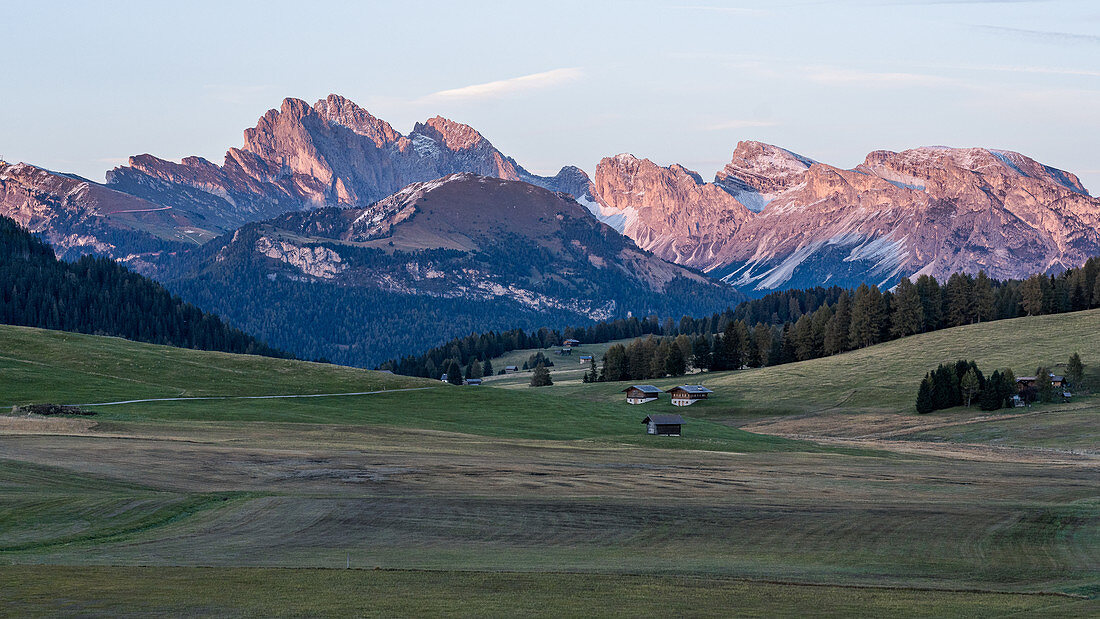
(277, 592)
(550, 501)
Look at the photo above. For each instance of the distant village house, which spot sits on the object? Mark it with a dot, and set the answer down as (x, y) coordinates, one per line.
(511, 369)
(640, 394)
(686, 395)
(663, 425)
(472, 382)
(586, 358)
(1028, 382)
(571, 343)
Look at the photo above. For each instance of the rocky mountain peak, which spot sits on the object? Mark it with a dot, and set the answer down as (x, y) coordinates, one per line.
(757, 172)
(937, 163)
(343, 111)
(667, 210)
(454, 135)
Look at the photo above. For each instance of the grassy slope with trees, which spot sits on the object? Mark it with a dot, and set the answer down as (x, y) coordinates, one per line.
(556, 479)
(97, 295)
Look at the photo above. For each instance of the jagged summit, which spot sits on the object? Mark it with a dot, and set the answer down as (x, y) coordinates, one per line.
(331, 153)
(771, 217)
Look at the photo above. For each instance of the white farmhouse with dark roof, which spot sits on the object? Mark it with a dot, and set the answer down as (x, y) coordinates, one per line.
(640, 394)
(686, 395)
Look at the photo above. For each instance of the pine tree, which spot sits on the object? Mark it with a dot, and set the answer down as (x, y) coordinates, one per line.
(1033, 294)
(1044, 387)
(701, 358)
(674, 362)
(945, 387)
(983, 298)
(615, 364)
(763, 340)
(803, 337)
(658, 366)
(1075, 371)
(837, 333)
(931, 298)
(925, 402)
(541, 377)
(867, 315)
(731, 348)
(907, 315)
(959, 300)
(454, 372)
(487, 369)
(991, 397)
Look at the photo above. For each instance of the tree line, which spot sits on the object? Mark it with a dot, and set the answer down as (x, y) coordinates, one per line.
(101, 297)
(962, 384)
(797, 325)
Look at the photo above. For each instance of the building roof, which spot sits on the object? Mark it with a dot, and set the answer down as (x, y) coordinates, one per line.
(473, 381)
(511, 367)
(664, 420)
(586, 356)
(1053, 377)
(693, 389)
(571, 342)
(643, 389)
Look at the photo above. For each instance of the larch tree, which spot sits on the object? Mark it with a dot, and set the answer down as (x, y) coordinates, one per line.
(969, 386)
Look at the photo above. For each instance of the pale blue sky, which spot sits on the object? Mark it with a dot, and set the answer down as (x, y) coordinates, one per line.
(86, 84)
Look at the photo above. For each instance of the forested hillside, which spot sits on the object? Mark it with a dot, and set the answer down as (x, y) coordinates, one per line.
(99, 296)
(796, 325)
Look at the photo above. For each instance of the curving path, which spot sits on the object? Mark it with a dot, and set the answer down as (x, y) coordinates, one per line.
(255, 397)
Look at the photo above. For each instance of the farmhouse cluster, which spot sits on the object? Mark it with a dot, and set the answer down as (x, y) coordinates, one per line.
(682, 395)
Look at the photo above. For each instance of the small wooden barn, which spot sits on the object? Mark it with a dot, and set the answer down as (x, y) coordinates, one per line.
(686, 395)
(664, 425)
(640, 394)
(571, 343)
(472, 382)
(511, 369)
(586, 358)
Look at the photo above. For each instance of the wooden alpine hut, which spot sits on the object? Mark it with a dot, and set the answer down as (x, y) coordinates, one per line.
(640, 394)
(663, 425)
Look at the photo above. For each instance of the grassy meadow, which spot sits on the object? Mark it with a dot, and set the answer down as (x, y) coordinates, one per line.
(804, 489)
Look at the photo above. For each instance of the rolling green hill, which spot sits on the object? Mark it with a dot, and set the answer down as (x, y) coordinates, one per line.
(478, 496)
(881, 378)
(57, 367)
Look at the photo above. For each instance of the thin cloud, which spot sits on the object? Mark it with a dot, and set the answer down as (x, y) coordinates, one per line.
(721, 9)
(741, 124)
(834, 75)
(1029, 69)
(503, 88)
(1047, 35)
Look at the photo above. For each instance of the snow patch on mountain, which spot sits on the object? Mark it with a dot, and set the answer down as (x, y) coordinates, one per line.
(753, 200)
(618, 219)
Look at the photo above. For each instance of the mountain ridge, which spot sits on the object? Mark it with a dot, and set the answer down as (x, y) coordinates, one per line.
(770, 218)
(452, 251)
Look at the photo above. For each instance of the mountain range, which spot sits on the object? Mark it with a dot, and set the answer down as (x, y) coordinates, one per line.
(328, 194)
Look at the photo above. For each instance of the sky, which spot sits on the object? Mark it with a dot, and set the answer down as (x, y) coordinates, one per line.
(87, 84)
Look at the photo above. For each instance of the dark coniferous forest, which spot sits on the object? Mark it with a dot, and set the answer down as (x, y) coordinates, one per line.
(793, 325)
(99, 296)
